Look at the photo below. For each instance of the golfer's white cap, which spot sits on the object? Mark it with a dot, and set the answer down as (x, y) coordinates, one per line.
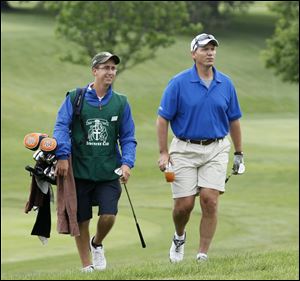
(202, 40)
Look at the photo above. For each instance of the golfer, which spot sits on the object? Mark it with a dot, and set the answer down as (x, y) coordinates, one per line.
(105, 123)
(201, 106)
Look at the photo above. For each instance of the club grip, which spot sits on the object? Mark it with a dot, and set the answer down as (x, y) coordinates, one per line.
(141, 236)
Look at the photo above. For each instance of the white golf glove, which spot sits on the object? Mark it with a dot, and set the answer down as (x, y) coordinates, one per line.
(238, 163)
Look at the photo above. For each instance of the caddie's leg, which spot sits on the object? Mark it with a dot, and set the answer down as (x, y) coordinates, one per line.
(108, 195)
(104, 225)
(82, 243)
(209, 206)
(181, 212)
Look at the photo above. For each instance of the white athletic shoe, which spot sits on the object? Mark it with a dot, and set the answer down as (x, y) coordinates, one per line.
(87, 269)
(99, 261)
(177, 250)
(201, 257)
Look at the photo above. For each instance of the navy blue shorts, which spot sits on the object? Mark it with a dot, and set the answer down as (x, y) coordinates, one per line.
(106, 195)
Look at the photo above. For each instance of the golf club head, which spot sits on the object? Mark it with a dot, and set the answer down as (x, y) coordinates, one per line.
(50, 158)
(49, 173)
(119, 172)
(38, 155)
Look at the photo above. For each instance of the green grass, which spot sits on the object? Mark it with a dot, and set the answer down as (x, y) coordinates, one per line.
(278, 265)
(257, 234)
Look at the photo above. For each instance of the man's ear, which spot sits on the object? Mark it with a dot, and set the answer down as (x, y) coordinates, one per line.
(193, 54)
(94, 71)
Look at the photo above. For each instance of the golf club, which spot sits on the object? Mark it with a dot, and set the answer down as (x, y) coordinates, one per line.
(119, 173)
(228, 177)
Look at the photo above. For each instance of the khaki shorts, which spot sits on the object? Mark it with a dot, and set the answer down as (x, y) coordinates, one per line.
(197, 166)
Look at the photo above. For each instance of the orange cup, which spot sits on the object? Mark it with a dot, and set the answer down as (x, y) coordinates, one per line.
(170, 176)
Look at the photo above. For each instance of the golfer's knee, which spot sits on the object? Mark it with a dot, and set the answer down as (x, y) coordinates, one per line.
(209, 206)
(182, 211)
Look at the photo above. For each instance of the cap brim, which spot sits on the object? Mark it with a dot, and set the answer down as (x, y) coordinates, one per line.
(114, 57)
(104, 60)
(206, 41)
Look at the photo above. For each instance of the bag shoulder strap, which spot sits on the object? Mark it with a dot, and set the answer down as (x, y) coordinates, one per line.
(78, 101)
(77, 97)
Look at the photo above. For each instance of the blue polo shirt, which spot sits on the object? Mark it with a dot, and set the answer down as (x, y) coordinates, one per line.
(196, 112)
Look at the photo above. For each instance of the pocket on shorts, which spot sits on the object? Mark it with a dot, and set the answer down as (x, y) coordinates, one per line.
(227, 144)
(177, 146)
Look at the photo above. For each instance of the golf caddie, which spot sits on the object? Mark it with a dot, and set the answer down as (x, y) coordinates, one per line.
(96, 131)
(202, 108)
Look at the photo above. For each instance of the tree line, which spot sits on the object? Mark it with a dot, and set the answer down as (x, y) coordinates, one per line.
(136, 29)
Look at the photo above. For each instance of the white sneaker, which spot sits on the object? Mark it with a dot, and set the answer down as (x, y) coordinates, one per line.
(99, 261)
(201, 257)
(177, 250)
(87, 269)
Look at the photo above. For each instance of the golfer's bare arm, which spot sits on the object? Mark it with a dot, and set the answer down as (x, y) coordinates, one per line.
(162, 136)
(236, 135)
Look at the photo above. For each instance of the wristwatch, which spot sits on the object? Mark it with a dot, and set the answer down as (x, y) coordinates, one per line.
(239, 153)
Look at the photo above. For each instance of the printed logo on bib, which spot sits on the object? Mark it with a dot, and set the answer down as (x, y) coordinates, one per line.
(97, 133)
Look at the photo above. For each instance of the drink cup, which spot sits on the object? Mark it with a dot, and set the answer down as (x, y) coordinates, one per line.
(169, 173)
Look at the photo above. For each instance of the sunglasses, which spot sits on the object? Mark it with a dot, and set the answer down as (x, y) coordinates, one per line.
(202, 37)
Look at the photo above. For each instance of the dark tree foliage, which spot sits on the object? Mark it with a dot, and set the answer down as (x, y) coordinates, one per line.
(134, 30)
(282, 53)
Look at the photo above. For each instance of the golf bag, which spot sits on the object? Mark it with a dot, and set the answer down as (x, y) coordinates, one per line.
(45, 146)
(44, 156)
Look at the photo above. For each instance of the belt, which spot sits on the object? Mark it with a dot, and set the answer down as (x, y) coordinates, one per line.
(202, 142)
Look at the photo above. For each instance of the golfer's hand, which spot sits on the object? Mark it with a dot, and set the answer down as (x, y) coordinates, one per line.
(125, 174)
(238, 164)
(163, 161)
(62, 167)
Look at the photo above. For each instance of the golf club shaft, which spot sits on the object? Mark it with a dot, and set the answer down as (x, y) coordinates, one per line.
(228, 178)
(137, 225)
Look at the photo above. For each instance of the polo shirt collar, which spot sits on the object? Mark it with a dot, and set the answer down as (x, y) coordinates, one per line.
(196, 78)
(91, 90)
